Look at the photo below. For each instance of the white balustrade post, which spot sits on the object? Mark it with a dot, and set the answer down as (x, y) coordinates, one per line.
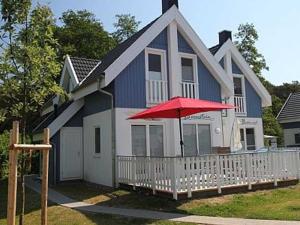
(298, 164)
(249, 171)
(274, 167)
(152, 171)
(218, 174)
(174, 178)
(188, 176)
(133, 172)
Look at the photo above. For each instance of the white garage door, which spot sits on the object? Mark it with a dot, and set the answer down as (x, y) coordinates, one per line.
(71, 153)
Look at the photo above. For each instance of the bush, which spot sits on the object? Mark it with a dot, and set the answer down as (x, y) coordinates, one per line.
(4, 142)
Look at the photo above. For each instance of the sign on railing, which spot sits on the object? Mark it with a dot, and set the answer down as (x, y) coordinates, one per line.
(210, 171)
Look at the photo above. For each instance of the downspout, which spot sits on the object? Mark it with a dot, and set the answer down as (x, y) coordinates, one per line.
(113, 136)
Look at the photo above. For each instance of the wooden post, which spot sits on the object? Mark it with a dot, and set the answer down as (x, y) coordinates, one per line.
(12, 179)
(44, 193)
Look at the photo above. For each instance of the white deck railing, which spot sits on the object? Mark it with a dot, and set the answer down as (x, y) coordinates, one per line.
(189, 90)
(157, 91)
(190, 174)
(240, 104)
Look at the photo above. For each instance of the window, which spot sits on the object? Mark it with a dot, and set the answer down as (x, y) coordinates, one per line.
(143, 134)
(97, 140)
(297, 138)
(187, 70)
(238, 87)
(250, 136)
(156, 140)
(155, 66)
(197, 139)
(138, 137)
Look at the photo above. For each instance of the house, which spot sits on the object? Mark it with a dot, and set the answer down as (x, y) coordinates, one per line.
(289, 119)
(163, 60)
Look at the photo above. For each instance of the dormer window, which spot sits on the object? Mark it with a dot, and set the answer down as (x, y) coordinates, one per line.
(189, 72)
(156, 76)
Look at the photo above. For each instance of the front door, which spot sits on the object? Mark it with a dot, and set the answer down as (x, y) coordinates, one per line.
(71, 153)
(248, 138)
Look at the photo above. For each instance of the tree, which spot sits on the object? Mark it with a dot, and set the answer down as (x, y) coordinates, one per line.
(28, 65)
(82, 35)
(246, 38)
(126, 26)
(245, 42)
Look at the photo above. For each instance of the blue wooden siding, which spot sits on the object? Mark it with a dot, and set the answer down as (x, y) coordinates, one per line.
(130, 85)
(209, 88)
(235, 68)
(76, 120)
(95, 103)
(161, 41)
(254, 108)
(183, 45)
(222, 63)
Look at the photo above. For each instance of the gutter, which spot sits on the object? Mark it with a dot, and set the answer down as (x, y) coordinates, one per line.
(113, 136)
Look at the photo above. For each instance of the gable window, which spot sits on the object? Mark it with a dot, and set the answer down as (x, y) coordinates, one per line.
(189, 84)
(297, 138)
(147, 140)
(239, 95)
(156, 76)
(97, 140)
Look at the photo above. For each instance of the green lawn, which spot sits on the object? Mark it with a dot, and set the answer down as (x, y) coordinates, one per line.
(279, 204)
(63, 216)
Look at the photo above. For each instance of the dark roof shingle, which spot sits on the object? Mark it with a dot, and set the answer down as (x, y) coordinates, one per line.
(215, 49)
(291, 109)
(83, 66)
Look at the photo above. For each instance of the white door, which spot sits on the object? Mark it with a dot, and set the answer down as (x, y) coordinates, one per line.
(71, 153)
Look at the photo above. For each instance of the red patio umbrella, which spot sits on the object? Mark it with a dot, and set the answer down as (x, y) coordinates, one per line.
(179, 107)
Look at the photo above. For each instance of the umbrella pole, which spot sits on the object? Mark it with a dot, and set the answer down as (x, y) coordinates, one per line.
(180, 131)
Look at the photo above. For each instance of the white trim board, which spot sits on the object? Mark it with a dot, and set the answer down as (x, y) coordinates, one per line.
(188, 33)
(237, 57)
(66, 115)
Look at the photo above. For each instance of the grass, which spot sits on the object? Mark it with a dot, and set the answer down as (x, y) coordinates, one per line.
(278, 204)
(58, 215)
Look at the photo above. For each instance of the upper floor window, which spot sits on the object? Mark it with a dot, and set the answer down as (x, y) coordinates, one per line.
(155, 68)
(238, 86)
(187, 70)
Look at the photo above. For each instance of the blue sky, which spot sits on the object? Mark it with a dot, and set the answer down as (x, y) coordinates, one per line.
(277, 23)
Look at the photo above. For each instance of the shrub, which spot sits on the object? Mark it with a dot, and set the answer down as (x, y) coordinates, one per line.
(4, 142)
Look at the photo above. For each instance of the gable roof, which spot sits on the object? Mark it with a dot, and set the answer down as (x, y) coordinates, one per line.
(111, 56)
(291, 108)
(83, 66)
(117, 60)
(240, 61)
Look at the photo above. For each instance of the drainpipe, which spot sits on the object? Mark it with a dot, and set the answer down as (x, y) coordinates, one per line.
(113, 138)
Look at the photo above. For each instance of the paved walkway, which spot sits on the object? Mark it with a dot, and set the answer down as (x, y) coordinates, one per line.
(148, 214)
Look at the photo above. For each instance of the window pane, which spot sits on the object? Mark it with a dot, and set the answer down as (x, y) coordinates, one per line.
(190, 140)
(238, 86)
(97, 140)
(155, 70)
(250, 135)
(297, 138)
(138, 137)
(187, 70)
(204, 139)
(156, 140)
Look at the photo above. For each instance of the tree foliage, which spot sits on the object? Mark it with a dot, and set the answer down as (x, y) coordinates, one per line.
(245, 42)
(126, 26)
(82, 35)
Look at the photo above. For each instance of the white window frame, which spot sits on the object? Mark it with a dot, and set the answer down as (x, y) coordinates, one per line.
(245, 137)
(195, 65)
(243, 91)
(148, 135)
(97, 155)
(201, 123)
(163, 55)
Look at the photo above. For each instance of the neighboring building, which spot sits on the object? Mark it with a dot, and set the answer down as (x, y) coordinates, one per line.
(163, 60)
(289, 119)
